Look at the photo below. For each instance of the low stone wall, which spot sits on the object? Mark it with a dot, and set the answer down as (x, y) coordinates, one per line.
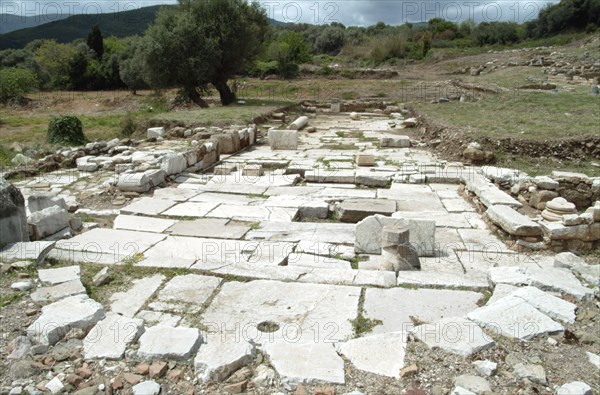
(576, 232)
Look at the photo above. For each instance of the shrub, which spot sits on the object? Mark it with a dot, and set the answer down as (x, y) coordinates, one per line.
(65, 130)
(15, 83)
(128, 126)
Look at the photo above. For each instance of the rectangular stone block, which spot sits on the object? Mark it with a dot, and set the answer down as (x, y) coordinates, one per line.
(283, 139)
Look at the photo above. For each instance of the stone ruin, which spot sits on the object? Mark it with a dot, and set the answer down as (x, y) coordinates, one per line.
(282, 237)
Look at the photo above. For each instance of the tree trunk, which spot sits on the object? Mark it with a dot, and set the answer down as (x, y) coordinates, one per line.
(227, 96)
(195, 97)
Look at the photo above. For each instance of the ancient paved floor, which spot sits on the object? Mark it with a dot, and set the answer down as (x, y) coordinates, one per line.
(307, 284)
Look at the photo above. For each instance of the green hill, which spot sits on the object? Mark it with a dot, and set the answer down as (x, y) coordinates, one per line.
(119, 24)
(10, 23)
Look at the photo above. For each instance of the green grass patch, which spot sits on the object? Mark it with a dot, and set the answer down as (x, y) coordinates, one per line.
(522, 115)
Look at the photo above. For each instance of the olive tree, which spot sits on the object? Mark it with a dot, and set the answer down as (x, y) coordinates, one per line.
(203, 42)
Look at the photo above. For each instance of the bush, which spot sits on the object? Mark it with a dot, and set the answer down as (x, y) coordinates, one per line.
(128, 126)
(15, 83)
(65, 130)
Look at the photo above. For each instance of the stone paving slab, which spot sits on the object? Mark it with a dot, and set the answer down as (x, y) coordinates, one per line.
(58, 318)
(148, 206)
(325, 262)
(216, 228)
(157, 318)
(25, 250)
(254, 213)
(474, 280)
(115, 242)
(456, 335)
(190, 209)
(216, 359)
(457, 205)
(248, 304)
(58, 291)
(185, 293)
(59, 275)
(214, 197)
(307, 231)
(174, 194)
(442, 219)
(332, 193)
(160, 342)
(306, 363)
(183, 252)
(129, 302)
(109, 338)
(382, 354)
(515, 318)
(142, 224)
(394, 307)
(268, 253)
(482, 240)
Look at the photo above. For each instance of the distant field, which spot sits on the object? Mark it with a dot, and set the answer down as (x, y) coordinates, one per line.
(522, 114)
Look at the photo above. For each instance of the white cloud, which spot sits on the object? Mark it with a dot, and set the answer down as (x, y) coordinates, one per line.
(348, 12)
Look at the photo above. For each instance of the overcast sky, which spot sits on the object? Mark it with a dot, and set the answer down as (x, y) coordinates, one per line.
(348, 12)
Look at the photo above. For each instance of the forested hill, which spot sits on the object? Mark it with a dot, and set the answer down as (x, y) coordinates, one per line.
(10, 23)
(121, 24)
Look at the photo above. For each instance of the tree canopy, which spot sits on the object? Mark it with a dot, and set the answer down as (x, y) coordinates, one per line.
(202, 42)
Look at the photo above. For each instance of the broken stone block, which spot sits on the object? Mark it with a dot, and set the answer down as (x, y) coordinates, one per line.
(156, 177)
(58, 318)
(456, 335)
(574, 387)
(129, 302)
(531, 372)
(169, 343)
(133, 182)
(396, 252)
(394, 142)
(545, 182)
(382, 354)
(538, 199)
(513, 317)
(59, 275)
(590, 273)
(27, 250)
(314, 209)
(39, 201)
(47, 222)
(365, 160)
(225, 169)
(368, 231)
(373, 179)
(355, 210)
(216, 360)
(253, 171)
(155, 132)
(283, 139)
(224, 142)
(299, 123)
(101, 277)
(149, 387)
(59, 291)
(485, 367)
(173, 164)
(512, 221)
(109, 338)
(84, 164)
(289, 360)
(475, 384)
(13, 217)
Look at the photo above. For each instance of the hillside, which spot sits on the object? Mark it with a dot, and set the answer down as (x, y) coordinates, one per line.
(119, 24)
(10, 23)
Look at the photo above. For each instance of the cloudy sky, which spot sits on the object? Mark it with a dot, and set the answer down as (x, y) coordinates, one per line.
(348, 12)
